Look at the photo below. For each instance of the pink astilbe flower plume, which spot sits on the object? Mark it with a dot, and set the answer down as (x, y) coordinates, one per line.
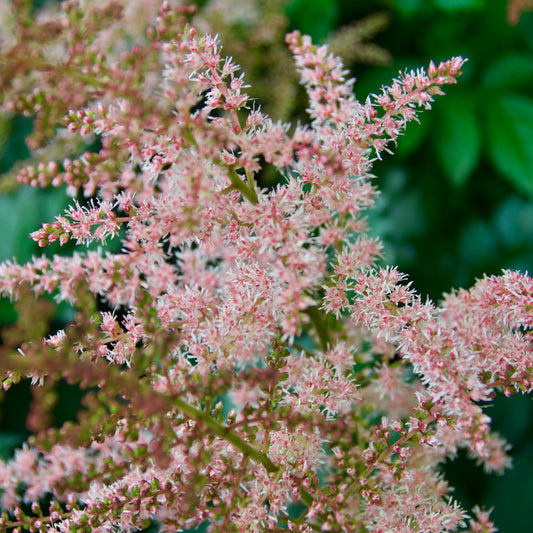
(235, 345)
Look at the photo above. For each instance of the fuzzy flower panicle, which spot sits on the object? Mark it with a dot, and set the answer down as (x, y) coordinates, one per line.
(245, 364)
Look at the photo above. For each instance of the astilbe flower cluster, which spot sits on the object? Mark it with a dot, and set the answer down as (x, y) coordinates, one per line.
(246, 362)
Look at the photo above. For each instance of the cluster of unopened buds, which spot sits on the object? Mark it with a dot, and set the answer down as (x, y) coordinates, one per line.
(247, 364)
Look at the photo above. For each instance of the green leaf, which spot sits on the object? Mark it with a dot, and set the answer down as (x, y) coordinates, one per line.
(317, 18)
(23, 211)
(5, 130)
(459, 5)
(512, 222)
(510, 138)
(457, 139)
(476, 244)
(8, 442)
(15, 148)
(408, 7)
(415, 133)
(510, 72)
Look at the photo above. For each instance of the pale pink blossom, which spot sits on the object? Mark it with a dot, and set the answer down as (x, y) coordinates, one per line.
(349, 390)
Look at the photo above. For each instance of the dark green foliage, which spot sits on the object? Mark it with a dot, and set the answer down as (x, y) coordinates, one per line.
(471, 159)
(314, 17)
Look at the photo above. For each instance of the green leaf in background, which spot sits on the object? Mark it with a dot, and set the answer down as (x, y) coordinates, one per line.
(23, 211)
(476, 244)
(15, 148)
(317, 18)
(457, 139)
(459, 5)
(415, 133)
(5, 131)
(8, 442)
(510, 72)
(408, 7)
(513, 222)
(510, 138)
(502, 493)
(526, 28)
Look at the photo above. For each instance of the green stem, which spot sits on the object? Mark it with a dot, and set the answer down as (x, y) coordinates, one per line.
(226, 434)
(320, 325)
(384, 455)
(241, 186)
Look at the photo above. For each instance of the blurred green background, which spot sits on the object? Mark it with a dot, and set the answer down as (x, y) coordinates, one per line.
(457, 198)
